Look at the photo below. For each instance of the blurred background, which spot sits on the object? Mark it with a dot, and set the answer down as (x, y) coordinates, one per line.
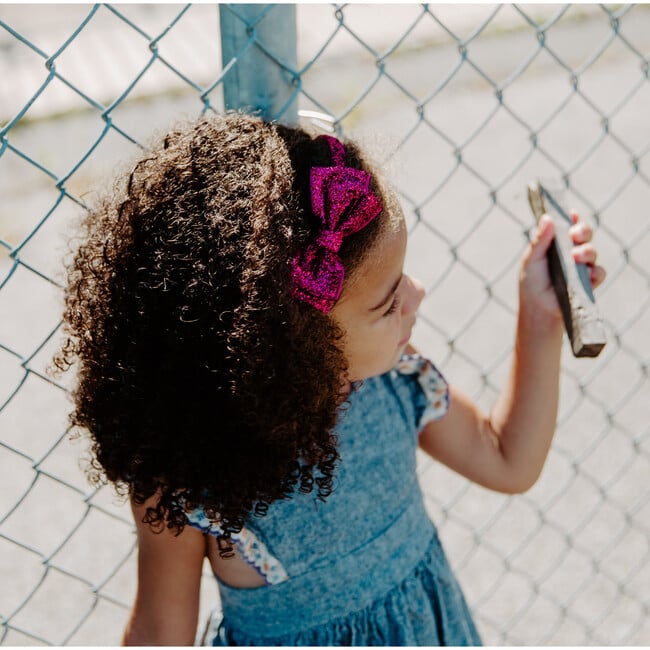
(461, 106)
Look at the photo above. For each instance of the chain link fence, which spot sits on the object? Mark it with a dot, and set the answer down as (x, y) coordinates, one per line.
(463, 106)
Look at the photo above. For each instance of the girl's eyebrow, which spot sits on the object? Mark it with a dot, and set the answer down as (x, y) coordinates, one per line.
(388, 295)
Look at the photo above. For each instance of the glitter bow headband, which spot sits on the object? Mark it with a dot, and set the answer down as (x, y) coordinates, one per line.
(341, 199)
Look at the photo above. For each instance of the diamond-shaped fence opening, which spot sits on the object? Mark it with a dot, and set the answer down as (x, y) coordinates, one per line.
(462, 106)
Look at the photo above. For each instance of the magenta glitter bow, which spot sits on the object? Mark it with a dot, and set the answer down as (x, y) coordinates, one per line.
(341, 199)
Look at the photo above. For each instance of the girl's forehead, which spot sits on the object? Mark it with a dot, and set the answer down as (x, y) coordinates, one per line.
(382, 266)
(390, 246)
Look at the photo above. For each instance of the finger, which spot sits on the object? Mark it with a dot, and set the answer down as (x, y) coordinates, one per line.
(574, 216)
(597, 275)
(584, 254)
(580, 233)
(541, 238)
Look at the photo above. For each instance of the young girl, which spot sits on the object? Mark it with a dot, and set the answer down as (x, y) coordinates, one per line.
(239, 317)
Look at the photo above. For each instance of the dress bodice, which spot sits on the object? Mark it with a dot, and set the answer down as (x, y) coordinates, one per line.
(365, 566)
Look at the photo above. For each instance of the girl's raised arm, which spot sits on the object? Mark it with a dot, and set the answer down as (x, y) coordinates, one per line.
(506, 450)
(166, 605)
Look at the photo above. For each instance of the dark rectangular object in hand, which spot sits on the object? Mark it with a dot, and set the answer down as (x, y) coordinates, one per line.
(570, 280)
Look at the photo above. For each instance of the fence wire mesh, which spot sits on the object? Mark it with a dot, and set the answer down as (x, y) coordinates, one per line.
(472, 103)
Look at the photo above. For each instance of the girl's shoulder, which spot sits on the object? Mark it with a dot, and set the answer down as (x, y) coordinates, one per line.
(431, 391)
(414, 385)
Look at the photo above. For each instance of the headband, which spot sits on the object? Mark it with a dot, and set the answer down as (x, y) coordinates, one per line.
(341, 199)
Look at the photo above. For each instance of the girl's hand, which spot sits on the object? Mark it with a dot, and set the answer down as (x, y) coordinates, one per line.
(537, 297)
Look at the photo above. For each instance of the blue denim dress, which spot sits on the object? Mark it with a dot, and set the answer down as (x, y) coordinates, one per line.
(366, 566)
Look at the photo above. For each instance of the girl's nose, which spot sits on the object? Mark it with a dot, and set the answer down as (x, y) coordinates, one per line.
(414, 294)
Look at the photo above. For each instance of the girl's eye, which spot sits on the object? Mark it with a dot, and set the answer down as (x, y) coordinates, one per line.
(393, 306)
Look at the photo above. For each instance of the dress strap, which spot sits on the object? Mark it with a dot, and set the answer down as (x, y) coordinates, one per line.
(252, 549)
(433, 384)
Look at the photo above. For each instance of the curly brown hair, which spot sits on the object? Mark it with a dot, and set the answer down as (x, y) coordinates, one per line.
(200, 377)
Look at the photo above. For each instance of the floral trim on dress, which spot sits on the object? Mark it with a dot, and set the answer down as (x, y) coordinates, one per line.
(432, 382)
(252, 549)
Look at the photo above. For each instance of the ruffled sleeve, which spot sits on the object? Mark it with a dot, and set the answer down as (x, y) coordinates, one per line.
(250, 547)
(432, 401)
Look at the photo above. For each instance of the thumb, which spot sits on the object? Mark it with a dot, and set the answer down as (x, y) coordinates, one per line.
(542, 238)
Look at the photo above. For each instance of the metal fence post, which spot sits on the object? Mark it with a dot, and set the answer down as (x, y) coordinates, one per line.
(262, 40)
